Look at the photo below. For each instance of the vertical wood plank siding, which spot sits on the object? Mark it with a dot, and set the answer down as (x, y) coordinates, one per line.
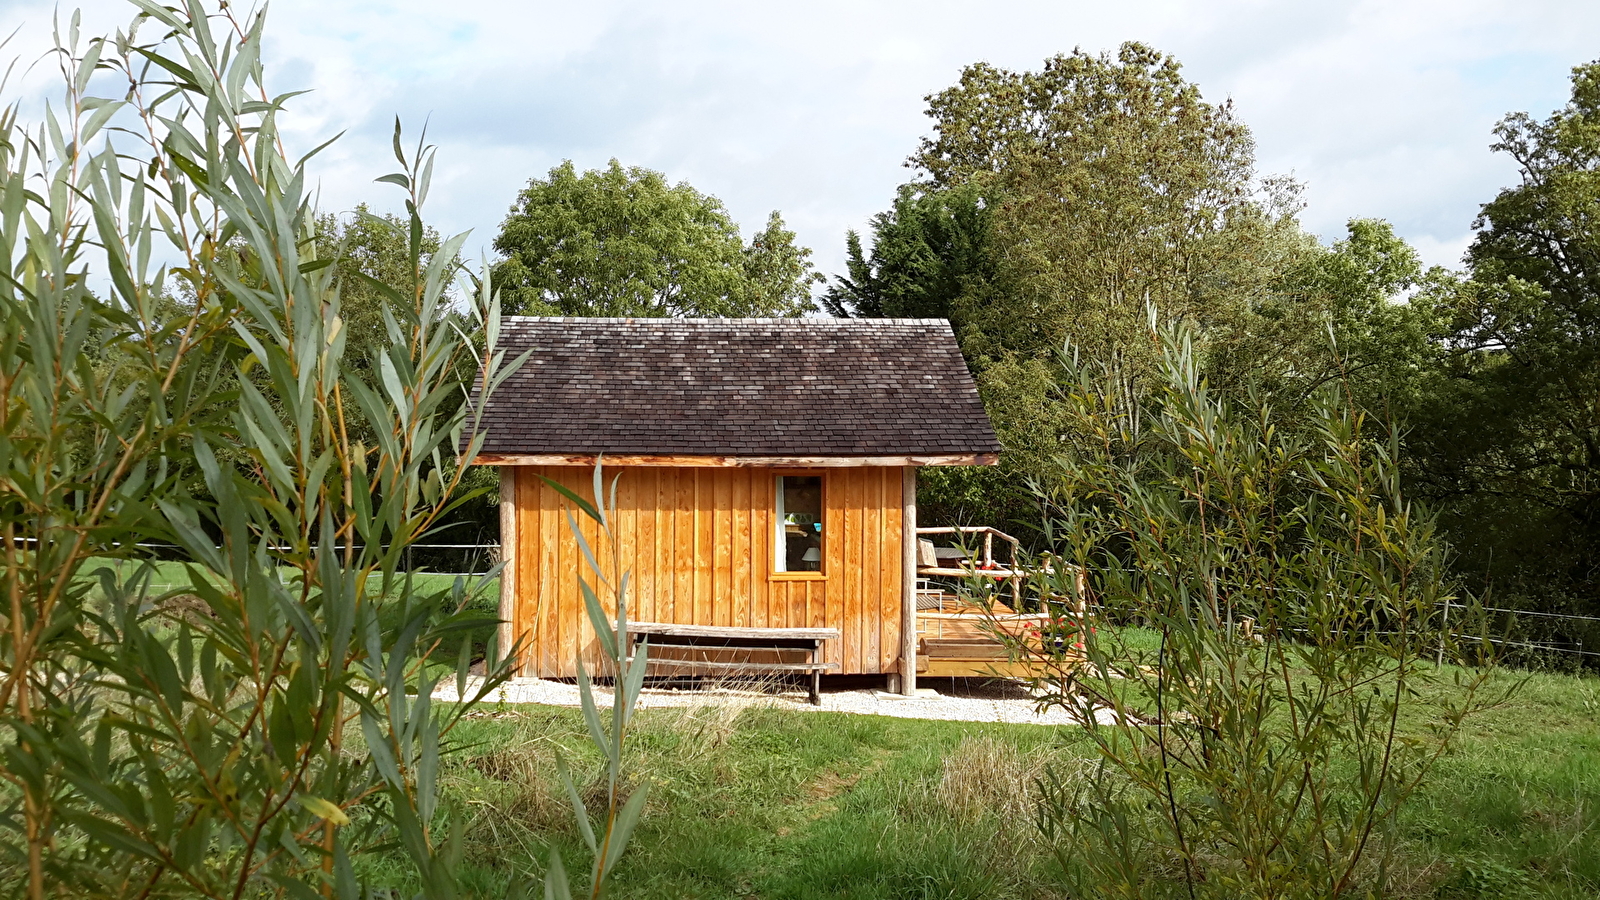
(698, 544)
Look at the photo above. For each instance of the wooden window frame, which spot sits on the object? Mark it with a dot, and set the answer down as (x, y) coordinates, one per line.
(772, 482)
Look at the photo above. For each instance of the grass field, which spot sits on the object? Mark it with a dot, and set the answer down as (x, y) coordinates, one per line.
(774, 803)
(170, 575)
(759, 802)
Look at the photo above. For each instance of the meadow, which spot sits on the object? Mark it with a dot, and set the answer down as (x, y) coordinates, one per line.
(756, 801)
(751, 799)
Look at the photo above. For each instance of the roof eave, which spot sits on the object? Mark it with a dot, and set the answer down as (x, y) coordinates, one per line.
(985, 458)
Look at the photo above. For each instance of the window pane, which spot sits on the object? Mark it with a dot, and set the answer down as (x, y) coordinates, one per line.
(799, 523)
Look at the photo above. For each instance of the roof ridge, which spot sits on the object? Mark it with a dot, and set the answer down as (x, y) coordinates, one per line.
(747, 320)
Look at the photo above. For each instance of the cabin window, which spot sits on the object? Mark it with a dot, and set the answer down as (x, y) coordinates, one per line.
(799, 543)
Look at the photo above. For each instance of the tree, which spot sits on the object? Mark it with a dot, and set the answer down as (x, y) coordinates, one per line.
(623, 242)
(1059, 207)
(370, 251)
(1064, 207)
(196, 742)
(930, 249)
(1513, 436)
(1297, 593)
(1120, 188)
(369, 248)
(193, 742)
(1361, 311)
(778, 272)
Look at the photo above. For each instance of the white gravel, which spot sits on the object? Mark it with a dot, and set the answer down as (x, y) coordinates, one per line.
(959, 700)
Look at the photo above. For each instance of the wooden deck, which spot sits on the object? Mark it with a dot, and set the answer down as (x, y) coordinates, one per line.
(957, 641)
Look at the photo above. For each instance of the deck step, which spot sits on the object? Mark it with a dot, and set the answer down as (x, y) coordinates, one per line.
(963, 648)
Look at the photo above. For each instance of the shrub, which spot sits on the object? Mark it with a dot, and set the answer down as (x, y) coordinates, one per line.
(1264, 747)
(257, 728)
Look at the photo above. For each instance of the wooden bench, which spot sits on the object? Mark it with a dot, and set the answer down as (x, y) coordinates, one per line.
(722, 640)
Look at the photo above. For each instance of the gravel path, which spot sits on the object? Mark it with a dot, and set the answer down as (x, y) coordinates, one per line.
(967, 700)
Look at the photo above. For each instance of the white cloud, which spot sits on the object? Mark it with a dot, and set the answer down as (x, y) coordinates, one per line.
(1382, 108)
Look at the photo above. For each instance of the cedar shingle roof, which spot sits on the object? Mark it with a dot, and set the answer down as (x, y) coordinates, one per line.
(736, 387)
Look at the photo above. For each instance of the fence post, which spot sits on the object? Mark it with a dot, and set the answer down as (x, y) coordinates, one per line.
(1443, 632)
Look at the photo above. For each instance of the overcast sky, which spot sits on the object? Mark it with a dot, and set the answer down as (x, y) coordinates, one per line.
(1383, 109)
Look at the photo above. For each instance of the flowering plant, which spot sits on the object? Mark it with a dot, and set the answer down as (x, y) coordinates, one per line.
(1059, 632)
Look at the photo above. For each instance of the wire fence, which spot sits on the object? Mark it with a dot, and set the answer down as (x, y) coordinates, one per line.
(1522, 632)
(459, 561)
(467, 559)
(1527, 636)
(1533, 632)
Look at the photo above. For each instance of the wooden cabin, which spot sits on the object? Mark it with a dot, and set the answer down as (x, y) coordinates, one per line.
(765, 475)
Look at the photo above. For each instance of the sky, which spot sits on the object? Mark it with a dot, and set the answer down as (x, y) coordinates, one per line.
(1382, 109)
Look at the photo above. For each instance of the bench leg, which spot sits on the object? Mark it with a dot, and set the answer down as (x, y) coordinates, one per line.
(816, 687)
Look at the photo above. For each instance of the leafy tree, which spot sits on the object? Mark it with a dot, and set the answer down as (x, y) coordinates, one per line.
(623, 242)
(1361, 311)
(930, 249)
(1296, 592)
(1069, 205)
(1121, 188)
(1061, 206)
(778, 272)
(1512, 437)
(369, 250)
(254, 732)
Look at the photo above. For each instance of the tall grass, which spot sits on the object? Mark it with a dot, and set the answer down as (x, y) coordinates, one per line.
(752, 801)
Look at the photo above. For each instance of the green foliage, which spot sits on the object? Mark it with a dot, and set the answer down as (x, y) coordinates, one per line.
(1118, 187)
(931, 249)
(1342, 313)
(262, 728)
(778, 272)
(1259, 750)
(624, 800)
(623, 242)
(368, 250)
(1061, 205)
(1510, 435)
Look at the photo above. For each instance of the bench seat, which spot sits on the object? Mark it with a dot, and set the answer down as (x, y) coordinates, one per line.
(736, 639)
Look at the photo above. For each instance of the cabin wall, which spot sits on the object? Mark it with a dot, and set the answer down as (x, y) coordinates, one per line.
(698, 544)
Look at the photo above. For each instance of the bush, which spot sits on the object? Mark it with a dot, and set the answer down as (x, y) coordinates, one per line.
(1257, 751)
(253, 731)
